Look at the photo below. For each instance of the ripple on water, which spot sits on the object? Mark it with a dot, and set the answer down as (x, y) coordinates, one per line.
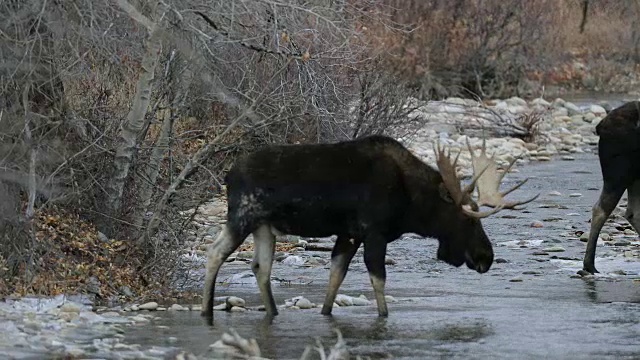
(614, 266)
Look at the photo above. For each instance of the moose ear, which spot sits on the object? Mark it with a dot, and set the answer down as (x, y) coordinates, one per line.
(444, 194)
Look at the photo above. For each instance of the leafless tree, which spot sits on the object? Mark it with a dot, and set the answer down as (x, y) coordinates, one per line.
(142, 106)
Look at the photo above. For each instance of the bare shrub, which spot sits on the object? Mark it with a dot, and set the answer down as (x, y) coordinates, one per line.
(531, 122)
(151, 138)
(477, 48)
(384, 104)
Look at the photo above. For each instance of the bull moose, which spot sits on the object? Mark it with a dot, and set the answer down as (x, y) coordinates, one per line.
(619, 155)
(367, 191)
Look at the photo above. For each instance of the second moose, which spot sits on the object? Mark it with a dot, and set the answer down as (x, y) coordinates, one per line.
(367, 191)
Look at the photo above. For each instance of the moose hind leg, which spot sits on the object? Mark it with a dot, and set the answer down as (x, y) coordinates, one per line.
(600, 213)
(374, 256)
(341, 256)
(633, 206)
(226, 243)
(264, 245)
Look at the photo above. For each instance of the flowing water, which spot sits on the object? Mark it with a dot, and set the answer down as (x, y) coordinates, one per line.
(528, 306)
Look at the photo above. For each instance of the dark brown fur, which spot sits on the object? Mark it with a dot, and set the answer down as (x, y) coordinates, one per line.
(619, 154)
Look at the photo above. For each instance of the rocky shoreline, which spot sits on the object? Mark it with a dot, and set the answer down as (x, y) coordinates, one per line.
(73, 327)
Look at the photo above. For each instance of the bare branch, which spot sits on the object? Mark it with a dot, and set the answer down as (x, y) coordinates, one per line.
(137, 16)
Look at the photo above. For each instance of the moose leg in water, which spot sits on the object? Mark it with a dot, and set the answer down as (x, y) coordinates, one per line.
(616, 180)
(264, 242)
(375, 249)
(342, 254)
(600, 213)
(633, 206)
(226, 243)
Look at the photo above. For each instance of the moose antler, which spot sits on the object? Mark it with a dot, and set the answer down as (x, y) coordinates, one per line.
(488, 183)
(460, 196)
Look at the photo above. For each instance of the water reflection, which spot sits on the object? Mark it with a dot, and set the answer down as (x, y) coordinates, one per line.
(609, 290)
(377, 328)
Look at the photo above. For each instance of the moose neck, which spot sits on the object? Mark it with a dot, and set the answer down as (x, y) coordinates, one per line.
(425, 213)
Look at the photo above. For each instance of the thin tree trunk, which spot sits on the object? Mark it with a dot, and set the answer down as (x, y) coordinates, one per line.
(127, 142)
(162, 145)
(33, 154)
(153, 168)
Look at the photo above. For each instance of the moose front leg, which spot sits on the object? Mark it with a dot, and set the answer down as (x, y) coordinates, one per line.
(341, 256)
(226, 243)
(375, 250)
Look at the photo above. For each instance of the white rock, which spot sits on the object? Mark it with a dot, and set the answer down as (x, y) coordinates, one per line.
(139, 318)
(235, 301)
(344, 300)
(597, 110)
(293, 260)
(516, 101)
(304, 304)
(554, 248)
(558, 102)
(559, 112)
(572, 108)
(358, 301)
(540, 101)
(152, 305)
(177, 307)
(589, 117)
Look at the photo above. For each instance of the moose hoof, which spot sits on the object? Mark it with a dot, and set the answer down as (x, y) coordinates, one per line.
(588, 270)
